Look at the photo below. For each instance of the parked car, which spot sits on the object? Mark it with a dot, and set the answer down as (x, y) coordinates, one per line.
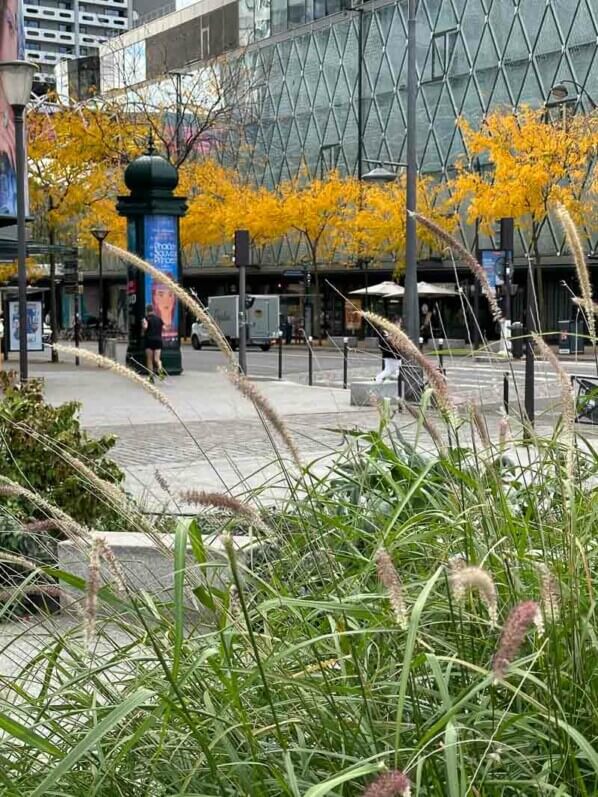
(199, 336)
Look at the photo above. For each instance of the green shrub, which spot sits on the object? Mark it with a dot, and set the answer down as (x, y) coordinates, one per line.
(306, 684)
(33, 436)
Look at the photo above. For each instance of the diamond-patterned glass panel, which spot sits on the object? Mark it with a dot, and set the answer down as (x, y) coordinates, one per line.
(473, 56)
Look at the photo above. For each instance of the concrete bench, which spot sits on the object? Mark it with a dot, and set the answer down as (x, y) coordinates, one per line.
(368, 393)
(149, 568)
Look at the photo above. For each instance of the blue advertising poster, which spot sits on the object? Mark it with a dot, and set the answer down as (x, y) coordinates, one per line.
(161, 251)
(34, 326)
(493, 262)
(12, 40)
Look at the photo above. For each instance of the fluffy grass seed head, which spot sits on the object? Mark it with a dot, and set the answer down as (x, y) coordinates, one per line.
(263, 406)
(518, 623)
(480, 425)
(389, 578)
(91, 598)
(403, 343)
(226, 502)
(117, 368)
(567, 395)
(463, 578)
(195, 307)
(389, 784)
(504, 431)
(550, 598)
(473, 265)
(581, 267)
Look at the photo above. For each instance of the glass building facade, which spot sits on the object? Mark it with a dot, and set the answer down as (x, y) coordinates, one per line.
(328, 90)
(473, 56)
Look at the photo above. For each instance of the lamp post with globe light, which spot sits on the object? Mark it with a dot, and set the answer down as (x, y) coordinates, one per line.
(17, 81)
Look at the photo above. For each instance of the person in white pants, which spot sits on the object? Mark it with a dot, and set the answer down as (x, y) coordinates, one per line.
(391, 357)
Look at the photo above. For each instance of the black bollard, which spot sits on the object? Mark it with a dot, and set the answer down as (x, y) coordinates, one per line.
(345, 361)
(505, 393)
(441, 354)
(400, 387)
(310, 361)
(280, 355)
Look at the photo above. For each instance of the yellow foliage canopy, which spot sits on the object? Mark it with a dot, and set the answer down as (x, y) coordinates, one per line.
(75, 169)
(318, 211)
(533, 164)
(378, 228)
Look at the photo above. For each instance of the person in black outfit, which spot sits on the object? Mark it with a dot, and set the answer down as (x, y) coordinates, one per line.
(152, 326)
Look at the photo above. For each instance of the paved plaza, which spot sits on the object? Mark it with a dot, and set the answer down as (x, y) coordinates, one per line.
(219, 441)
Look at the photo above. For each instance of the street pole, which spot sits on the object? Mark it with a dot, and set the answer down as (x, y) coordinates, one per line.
(101, 288)
(100, 234)
(19, 116)
(359, 10)
(242, 261)
(530, 322)
(410, 300)
(179, 114)
(53, 308)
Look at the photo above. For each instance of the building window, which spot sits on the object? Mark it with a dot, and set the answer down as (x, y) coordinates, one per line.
(33, 23)
(443, 47)
(205, 37)
(279, 15)
(296, 12)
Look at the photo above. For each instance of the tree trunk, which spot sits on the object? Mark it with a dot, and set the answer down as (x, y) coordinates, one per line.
(316, 319)
(538, 281)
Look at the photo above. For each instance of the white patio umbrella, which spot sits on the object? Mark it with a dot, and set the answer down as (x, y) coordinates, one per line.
(386, 288)
(429, 290)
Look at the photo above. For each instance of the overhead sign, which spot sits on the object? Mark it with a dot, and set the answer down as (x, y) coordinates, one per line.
(12, 43)
(34, 325)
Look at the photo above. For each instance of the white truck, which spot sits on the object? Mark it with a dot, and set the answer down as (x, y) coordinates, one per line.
(263, 320)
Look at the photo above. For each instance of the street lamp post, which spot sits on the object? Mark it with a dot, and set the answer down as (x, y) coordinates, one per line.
(410, 300)
(17, 80)
(100, 234)
(381, 175)
(560, 92)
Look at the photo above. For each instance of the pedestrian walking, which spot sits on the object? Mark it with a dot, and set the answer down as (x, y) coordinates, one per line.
(391, 356)
(152, 326)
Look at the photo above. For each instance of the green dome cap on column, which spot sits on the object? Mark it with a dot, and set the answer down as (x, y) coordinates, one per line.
(151, 174)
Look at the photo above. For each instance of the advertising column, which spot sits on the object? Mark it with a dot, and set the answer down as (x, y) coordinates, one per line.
(12, 40)
(161, 250)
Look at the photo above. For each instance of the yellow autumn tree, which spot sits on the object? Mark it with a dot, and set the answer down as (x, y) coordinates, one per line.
(532, 164)
(211, 191)
(220, 203)
(377, 228)
(316, 212)
(76, 158)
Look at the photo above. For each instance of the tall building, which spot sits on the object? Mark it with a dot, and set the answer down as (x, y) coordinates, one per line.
(330, 89)
(57, 30)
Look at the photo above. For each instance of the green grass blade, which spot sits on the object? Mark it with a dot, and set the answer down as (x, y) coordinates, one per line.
(91, 740)
(24, 734)
(349, 774)
(409, 648)
(451, 760)
(180, 549)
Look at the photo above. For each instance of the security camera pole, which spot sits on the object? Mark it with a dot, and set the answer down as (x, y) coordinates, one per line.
(241, 262)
